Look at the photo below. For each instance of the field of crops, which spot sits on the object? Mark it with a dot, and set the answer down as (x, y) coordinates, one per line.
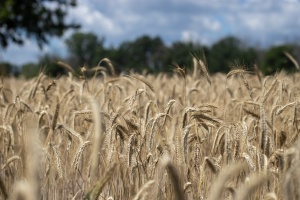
(182, 136)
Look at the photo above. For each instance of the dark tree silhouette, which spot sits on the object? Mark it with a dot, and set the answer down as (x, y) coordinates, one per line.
(276, 60)
(35, 19)
(85, 49)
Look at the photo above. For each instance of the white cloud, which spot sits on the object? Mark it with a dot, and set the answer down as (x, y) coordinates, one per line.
(189, 36)
(93, 20)
(206, 22)
(268, 21)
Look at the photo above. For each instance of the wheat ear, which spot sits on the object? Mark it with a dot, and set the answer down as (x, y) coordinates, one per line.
(66, 66)
(204, 70)
(246, 83)
(264, 134)
(167, 110)
(184, 141)
(249, 161)
(143, 80)
(110, 65)
(227, 146)
(55, 117)
(78, 155)
(58, 162)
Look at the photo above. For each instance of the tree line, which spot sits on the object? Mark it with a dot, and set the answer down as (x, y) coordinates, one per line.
(150, 54)
(40, 20)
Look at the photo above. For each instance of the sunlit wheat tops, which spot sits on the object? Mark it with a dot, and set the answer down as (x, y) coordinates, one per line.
(94, 134)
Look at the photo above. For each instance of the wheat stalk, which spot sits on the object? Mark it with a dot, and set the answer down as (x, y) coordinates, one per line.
(142, 192)
(248, 189)
(174, 179)
(3, 189)
(143, 80)
(292, 59)
(218, 186)
(96, 189)
(110, 65)
(55, 117)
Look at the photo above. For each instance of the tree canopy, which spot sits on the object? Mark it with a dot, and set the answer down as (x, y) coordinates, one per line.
(85, 49)
(275, 60)
(35, 19)
(6, 69)
(229, 50)
(151, 54)
(143, 52)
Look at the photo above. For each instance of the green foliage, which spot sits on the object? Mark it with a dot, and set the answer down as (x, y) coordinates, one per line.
(181, 54)
(275, 60)
(151, 54)
(30, 70)
(49, 63)
(143, 53)
(85, 49)
(36, 19)
(227, 51)
(6, 69)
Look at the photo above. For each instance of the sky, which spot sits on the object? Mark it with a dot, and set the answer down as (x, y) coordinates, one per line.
(258, 22)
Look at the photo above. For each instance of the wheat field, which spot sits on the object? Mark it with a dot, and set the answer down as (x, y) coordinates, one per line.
(186, 135)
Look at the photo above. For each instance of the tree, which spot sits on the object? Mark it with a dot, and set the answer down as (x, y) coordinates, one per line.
(274, 60)
(30, 70)
(49, 64)
(6, 69)
(143, 53)
(181, 53)
(46, 64)
(35, 19)
(229, 50)
(85, 49)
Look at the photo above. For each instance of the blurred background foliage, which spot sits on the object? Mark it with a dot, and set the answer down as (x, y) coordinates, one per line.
(20, 20)
(151, 54)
